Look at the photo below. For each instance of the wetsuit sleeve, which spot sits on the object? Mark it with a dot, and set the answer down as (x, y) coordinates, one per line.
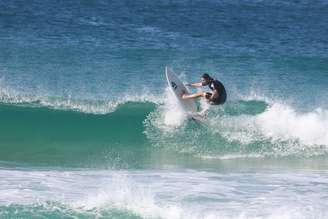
(217, 86)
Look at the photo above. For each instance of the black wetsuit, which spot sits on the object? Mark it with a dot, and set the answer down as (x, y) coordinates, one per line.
(217, 85)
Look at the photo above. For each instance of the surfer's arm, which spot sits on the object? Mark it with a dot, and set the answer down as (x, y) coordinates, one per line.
(195, 84)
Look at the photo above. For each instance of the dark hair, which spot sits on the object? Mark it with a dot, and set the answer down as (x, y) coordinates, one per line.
(206, 76)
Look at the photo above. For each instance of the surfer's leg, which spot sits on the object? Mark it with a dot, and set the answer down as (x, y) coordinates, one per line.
(208, 95)
(192, 96)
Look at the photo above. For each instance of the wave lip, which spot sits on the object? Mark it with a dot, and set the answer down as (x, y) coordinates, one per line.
(92, 106)
(284, 123)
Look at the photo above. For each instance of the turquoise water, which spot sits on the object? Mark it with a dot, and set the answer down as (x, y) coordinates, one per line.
(89, 128)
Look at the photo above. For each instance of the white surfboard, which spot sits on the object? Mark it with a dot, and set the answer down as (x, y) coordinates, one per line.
(178, 89)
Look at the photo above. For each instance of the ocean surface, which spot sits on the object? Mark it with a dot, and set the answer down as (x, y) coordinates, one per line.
(89, 128)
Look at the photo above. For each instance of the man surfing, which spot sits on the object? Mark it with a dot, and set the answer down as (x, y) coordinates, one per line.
(218, 95)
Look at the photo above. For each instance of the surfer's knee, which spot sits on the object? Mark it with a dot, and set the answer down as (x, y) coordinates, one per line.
(207, 95)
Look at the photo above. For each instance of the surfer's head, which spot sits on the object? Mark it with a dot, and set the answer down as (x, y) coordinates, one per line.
(206, 79)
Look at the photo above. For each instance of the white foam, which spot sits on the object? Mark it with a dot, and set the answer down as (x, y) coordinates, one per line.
(169, 115)
(174, 115)
(279, 122)
(172, 194)
(282, 122)
(231, 156)
(121, 193)
(252, 95)
(9, 95)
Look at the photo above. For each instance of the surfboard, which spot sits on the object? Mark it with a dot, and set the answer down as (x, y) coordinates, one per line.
(178, 89)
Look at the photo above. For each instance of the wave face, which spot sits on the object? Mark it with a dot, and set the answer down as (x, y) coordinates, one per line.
(44, 135)
(138, 132)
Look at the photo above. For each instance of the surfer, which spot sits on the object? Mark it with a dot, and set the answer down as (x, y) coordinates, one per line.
(218, 95)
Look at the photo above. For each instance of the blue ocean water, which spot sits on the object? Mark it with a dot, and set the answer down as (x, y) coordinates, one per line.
(89, 128)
